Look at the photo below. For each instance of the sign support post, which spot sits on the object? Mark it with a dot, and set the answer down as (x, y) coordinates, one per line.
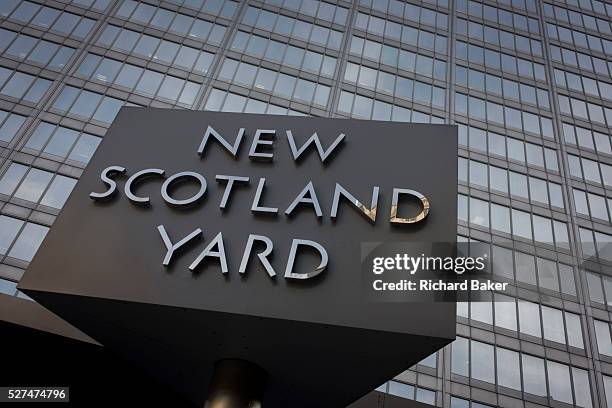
(236, 383)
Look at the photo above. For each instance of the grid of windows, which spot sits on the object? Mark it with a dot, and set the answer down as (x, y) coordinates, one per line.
(487, 111)
(85, 104)
(582, 84)
(292, 28)
(402, 33)
(540, 377)
(395, 85)
(498, 16)
(586, 111)
(510, 182)
(398, 58)
(411, 12)
(530, 271)
(590, 5)
(500, 61)
(223, 8)
(178, 23)
(529, 5)
(589, 170)
(284, 54)
(156, 49)
(586, 138)
(19, 85)
(314, 8)
(141, 80)
(35, 185)
(502, 87)
(230, 102)
(277, 83)
(511, 149)
(34, 50)
(363, 107)
(60, 143)
(527, 82)
(580, 60)
(580, 20)
(521, 224)
(526, 317)
(579, 39)
(44, 17)
(500, 38)
(592, 205)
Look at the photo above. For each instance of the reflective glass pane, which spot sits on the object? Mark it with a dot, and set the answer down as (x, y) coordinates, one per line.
(28, 242)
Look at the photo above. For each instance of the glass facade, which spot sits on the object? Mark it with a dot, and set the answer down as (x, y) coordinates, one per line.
(528, 82)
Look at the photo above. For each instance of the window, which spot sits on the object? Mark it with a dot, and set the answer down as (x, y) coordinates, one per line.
(430, 361)
(534, 378)
(574, 330)
(505, 312)
(582, 388)
(23, 242)
(547, 274)
(426, 396)
(482, 362)
(500, 218)
(553, 324)
(479, 212)
(58, 191)
(460, 357)
(602, 332)
(10, 123)
(521, 224)
(608, 389)
(510, 375)
(559, 381)
(529, 324)
(10, 229)
(401, 390)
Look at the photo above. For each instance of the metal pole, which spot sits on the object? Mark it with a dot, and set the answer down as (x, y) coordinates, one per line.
(236, 384)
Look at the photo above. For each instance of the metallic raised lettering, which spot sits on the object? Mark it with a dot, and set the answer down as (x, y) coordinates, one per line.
(112, 185)
(323, 154)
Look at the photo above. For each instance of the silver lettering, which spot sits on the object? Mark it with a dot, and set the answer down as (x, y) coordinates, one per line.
(289, 274)
(263, 256)
(170, 247)
(232, 149)
(323, 154)
(135, 177)
(112, 185)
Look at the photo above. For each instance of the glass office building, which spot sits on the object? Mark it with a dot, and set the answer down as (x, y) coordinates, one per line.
(528, 82)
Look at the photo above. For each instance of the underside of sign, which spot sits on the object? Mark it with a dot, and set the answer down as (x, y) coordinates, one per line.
(308, 365)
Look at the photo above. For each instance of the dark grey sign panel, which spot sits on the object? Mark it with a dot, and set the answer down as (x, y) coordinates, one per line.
(309, 325)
